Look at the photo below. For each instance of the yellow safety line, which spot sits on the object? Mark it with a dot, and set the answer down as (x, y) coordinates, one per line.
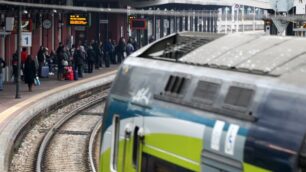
(5, 114)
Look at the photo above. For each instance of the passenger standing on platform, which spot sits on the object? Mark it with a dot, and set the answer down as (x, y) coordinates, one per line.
(113, 55)
(2, 65)
(41, 59)
(60, 61)
(129, 47)
(29, 72)
(151, 39)
(15, 66)
(100, 46)
(50, 60)
(24, 55)
(121, 49)
(134, 43)
(107, 49)
(97, 52)
(78, 59)
(91, 56)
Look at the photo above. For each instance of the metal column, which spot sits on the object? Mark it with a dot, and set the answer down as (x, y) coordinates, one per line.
(208, 24)
(196, 23)
(162, 26)
(18, 52)
(186, 23)
(205, 24)
(215, 19)
(181, 24)
(191, 23)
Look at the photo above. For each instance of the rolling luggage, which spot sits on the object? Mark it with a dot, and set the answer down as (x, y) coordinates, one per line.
(68, 74)
(45, 72)
(76, 75)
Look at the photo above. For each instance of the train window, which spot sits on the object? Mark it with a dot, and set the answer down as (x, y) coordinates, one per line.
(239, 97)
(206, 91)
(115, 143)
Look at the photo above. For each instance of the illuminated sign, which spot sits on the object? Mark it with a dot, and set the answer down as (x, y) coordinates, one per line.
(138, 24)
(78, 19)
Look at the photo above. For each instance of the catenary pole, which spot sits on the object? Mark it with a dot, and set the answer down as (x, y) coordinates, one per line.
(18, 53)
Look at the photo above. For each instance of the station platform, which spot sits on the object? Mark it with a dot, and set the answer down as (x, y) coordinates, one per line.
(7, 96)
(16, 113)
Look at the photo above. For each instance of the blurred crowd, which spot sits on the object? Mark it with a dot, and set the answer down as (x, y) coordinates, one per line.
(71, 63)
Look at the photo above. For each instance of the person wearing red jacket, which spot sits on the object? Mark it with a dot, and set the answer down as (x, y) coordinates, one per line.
(24, 55)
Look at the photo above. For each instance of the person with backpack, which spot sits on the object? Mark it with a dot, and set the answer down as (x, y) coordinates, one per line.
(2, 65)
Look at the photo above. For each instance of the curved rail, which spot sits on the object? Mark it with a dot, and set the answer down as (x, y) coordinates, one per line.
(91, 143)
(52, 131)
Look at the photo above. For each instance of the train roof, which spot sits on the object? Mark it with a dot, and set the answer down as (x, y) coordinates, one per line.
(278, 57)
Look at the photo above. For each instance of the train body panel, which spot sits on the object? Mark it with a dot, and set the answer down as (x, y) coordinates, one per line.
(157, 119)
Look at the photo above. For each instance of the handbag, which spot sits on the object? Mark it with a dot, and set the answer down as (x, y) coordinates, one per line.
(36, 81)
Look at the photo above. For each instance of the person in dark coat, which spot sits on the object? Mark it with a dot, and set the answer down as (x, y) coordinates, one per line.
(91, 56)
(121, 49)
(29, 72)
(107, 49)
(78, 59)
(97, 52)
(15, 67)
(113, 55)
(60, 58)
(41, 59)
(2, 66)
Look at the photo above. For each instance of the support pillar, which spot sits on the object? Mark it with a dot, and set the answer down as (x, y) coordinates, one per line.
(186, 23)
(191, 24)
(196, 23)
(205, 24)
(181, 24)
(52, 32)
(162, 27)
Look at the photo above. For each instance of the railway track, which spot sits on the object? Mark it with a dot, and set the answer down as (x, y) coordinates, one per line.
(64, 140)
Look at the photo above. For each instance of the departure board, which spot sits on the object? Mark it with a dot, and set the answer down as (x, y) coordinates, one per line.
(78, 19)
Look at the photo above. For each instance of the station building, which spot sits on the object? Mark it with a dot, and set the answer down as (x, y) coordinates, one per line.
(48, 27)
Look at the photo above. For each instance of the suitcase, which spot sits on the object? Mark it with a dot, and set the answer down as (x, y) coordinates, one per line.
(76, 75)
(68, 73)
(44, 72)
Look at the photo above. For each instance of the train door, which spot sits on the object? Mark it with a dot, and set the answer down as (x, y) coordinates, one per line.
(126, 144)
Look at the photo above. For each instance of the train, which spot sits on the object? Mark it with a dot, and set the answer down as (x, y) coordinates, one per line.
(208, 103)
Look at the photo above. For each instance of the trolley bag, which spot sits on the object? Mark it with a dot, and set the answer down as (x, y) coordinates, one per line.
(44, 71)
(70, 73)
(76, 75)
(66, 72)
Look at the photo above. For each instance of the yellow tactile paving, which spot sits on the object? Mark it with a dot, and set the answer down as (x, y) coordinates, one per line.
(5, 114)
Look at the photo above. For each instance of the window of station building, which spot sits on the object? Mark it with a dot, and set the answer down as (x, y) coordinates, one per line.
(206, 92)
(239, 97)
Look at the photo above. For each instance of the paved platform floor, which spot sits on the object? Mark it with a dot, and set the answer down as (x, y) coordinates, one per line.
(7, 96)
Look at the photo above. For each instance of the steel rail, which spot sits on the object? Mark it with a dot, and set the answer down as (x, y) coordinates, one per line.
(91, 145)
(181, 13)
(54, 129)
